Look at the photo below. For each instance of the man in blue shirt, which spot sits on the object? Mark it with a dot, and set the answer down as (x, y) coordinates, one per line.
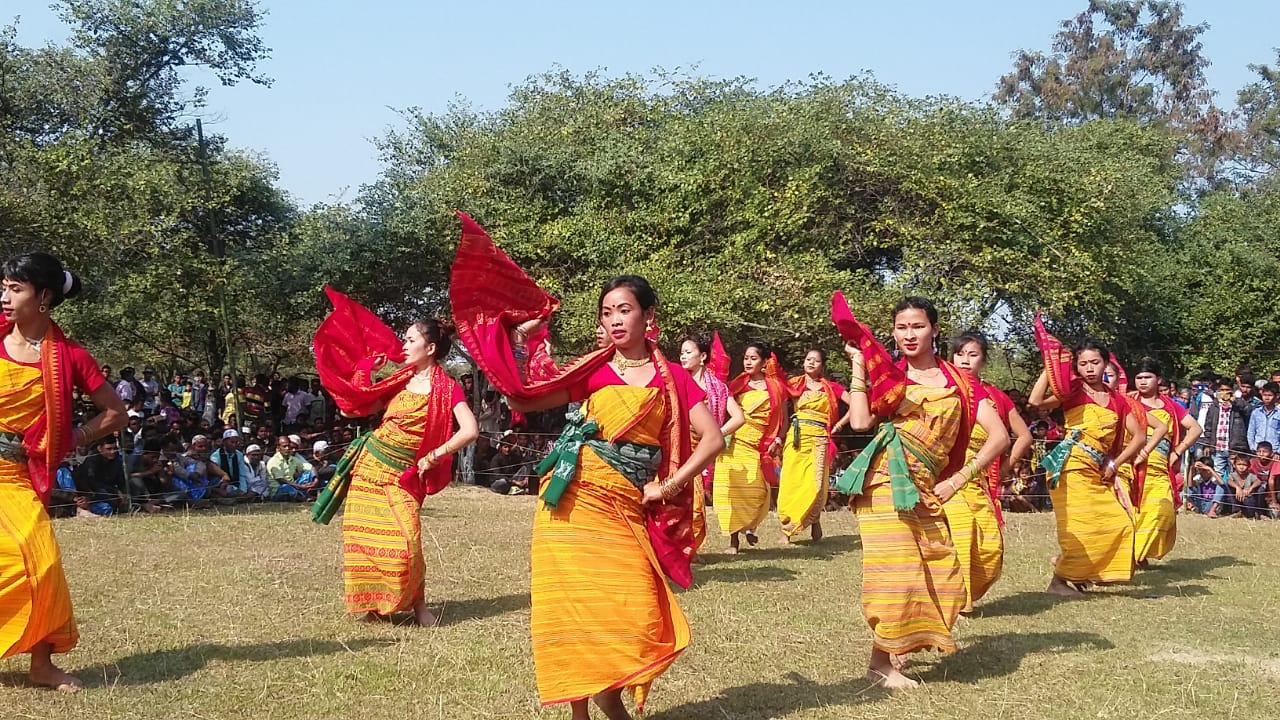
(1264, 422)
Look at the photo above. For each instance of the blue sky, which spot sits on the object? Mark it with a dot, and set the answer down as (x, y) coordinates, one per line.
(341, 69)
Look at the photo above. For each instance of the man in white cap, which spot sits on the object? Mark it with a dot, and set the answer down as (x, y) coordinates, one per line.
(255, 471)
(231, 460)
(324, 469)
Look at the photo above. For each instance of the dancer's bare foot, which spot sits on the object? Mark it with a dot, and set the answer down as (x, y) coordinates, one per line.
(372, 617)
(816, 532)
(1061, 588)
(45, 674)
(898, 662)
(423, 616)
(733, 545)
(752, 538)
(891, 679)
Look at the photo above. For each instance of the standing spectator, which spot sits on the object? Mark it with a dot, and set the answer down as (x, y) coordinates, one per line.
(489, 421)
(152, 390)
(275, 401)
(175, 390)
(1264, 422)
(289, 477)
(320, 404)
(127, 388)
(222, 395)
(254, 402)
(200, 397)
(106, 374)
(296, 401)
(1217, 427)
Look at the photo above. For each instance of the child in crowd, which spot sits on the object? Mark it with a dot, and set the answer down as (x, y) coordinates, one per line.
(1207, 489)
(1242, 488)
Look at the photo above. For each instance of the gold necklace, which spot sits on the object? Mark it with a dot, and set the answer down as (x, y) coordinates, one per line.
(624, 364)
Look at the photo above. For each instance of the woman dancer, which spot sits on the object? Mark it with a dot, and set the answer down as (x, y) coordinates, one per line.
(806, 458)
(39, 367)
(695, 356)
(912, 587)
(616, 506)
(1156, 521)
(1095, 532)
(973, 512)
(385, 475)
(746, 471)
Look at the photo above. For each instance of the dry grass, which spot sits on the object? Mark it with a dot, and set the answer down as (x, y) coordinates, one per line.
(239, 615)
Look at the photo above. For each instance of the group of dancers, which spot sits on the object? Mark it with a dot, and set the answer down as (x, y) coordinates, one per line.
(621, 507)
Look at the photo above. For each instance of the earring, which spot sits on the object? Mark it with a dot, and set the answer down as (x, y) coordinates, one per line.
(43, 308)
(648, 325)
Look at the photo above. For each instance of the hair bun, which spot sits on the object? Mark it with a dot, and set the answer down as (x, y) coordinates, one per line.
(447, 328)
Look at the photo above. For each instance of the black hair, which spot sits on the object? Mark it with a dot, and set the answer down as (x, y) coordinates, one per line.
(106, 440)
(1148, 365)
(439, 332)
(822, 354)
(44, 272)
(1092, 344)
(1247, 378)
(761, 347)
(1273, 388)
(638, 286)
(971, 336)
(915, 302)
(1224, 380)
(702, 341)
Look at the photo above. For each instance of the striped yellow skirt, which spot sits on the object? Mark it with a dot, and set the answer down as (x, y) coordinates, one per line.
(1156, 521)
(1095, 532)
(383, 569)
(740, 494)
(35, 603)
(802, 485)
(912, 587)
(975, 532)
(603, 616)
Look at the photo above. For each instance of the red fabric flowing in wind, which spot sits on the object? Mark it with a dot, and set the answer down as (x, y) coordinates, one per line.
(349, 345)
(778, 390)
(718, 363)
(1066, 386)
(1139, 411)
(48, 440)
(1004, 406)
(887, 380)
(490, 296)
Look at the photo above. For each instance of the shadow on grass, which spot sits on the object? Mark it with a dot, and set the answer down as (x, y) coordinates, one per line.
(1166, 573)
(999, 655)
(825, 549)
(457, 611)
(1021, 604)
(740, 573)
(768, 700)
(176, 663)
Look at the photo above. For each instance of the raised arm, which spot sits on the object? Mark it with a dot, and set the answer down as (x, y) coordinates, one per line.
(1040, 396)
(859, 416)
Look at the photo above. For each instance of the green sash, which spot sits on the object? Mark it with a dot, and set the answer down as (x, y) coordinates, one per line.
(796, 422)
(905, 493)
(331, 498)
(635, 461)
(1056, 459)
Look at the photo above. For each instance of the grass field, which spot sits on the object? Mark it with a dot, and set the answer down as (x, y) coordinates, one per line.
(239, 615)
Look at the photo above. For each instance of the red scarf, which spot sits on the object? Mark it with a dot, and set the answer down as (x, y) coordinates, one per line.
(1059, 366)
(718, 363)
(490, 296)
(349, 345)
(1004, 406)
(48, 439)
(778, 392)
(887, 381)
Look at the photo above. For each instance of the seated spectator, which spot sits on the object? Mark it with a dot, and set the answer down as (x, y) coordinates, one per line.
(322, 462)
(1242, 487)
(102, 477)
(232, 461)
(289, 477)
(255, 472)
(1207, 488)
(65, 499)
(149, 478)
(200, 479)
(509, 468)
(1263, 467)
(263, 436)
(1023, 491)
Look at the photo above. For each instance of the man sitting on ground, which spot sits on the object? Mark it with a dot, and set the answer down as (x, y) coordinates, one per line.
(289, 477)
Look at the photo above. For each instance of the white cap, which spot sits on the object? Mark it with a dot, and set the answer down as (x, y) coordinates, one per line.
(320, 446)
(297, 441)
(253, 448)
(230, 433)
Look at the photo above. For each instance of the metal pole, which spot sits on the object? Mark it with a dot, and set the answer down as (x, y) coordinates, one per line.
(218, 247)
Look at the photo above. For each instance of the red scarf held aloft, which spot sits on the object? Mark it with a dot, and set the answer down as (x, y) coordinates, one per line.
(1059, 366)
(349, 345)
(778, 392)
(48, 440)
(887, 381)
(490, 296)
(718, 362)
